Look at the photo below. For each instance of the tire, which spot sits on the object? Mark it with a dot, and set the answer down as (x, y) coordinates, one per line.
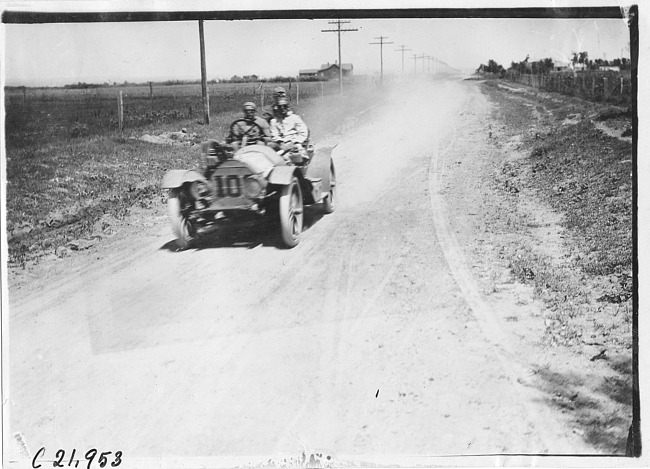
(291, 213)
(181, 227)
(329, 202)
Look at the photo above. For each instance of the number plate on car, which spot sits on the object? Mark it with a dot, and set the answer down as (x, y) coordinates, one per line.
(229, 189)
(229, 185)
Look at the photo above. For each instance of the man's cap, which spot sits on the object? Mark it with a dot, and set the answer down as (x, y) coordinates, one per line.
(279, 90)
(249, 106)
(283, 102)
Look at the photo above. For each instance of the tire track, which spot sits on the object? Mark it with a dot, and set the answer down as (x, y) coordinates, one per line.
(499, 343)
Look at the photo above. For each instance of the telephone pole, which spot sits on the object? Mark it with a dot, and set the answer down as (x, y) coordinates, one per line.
(422, 56)
(415, 62)
(204, 86)
(402, 49)
(338, 30)
(381, 55)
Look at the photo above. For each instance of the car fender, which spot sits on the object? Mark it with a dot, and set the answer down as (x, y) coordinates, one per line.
(319, 167)
(177, 177)
(282, 175)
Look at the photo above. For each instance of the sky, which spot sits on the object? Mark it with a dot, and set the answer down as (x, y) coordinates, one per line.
(58, 54)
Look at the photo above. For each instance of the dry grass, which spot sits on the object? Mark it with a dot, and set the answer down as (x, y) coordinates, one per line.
(564, 226)
(584, 273)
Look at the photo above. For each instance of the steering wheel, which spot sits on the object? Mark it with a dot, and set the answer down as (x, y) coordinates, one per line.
(253, 125)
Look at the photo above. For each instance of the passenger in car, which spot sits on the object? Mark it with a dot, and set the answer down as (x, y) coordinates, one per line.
(272, 111)
(250, 130)
(288, 131)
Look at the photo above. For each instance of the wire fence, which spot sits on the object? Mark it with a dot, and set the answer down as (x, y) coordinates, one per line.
(611, 87)
(49, 113)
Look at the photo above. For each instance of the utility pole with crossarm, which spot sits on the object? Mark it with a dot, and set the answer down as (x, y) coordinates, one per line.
(402, 49)
(415, 58)
(338, 30)
(381, 55)
(423, 57)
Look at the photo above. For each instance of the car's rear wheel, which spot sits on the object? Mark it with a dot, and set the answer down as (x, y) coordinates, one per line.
(330, 199)
(291, 213)
(181, 227)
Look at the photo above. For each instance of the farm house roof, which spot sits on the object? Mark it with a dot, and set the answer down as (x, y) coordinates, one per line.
(329, 65)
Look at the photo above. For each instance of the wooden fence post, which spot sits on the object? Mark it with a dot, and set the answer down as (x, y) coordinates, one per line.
(120, 111)
(605, 89)
(297, 93)
(621, 85)
(593, 87)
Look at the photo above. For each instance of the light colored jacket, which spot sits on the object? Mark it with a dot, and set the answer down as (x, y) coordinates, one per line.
(290, 129)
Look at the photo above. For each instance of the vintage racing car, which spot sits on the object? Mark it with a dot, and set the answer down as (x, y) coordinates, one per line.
(251, 182)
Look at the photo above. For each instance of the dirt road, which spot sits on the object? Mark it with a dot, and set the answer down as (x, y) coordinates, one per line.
(370, 341)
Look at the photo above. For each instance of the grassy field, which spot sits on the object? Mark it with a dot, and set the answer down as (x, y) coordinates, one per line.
(68, 166)
(38, 114)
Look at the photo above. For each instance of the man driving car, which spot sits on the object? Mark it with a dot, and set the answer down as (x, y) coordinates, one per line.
(250, 130)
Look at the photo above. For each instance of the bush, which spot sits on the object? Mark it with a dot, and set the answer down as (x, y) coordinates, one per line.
(78, 130)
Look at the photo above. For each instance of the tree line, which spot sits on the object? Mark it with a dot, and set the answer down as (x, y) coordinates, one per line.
(234, 79)
(547, 65)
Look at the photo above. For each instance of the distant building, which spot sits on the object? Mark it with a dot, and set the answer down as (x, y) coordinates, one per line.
(326, 72)
(561, 66)
(609, 68)
(311, 73)
(578, 66)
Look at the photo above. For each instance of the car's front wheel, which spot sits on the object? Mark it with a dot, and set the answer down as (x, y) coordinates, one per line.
(291, 213)
(181, 226)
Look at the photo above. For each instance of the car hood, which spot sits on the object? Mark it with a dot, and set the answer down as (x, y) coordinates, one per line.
(259, 158)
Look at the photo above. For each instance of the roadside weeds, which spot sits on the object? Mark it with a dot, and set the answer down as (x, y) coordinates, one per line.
(559, 222)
